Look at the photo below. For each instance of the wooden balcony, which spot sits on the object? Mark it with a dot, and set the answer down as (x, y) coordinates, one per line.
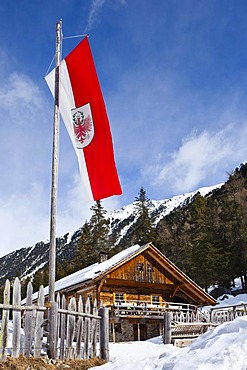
(149, 310)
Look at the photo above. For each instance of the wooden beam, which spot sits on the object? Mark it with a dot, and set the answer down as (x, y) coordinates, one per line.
(99, 289)
(175, 290)
(133, 283)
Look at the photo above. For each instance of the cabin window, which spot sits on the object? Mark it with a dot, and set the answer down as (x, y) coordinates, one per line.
(139, 267)
(150, 271)
(119, 298)
(155, 299)
(139, 271)
(150, 268)
(117, 328)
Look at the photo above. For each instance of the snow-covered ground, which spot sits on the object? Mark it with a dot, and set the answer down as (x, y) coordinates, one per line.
(224, 348)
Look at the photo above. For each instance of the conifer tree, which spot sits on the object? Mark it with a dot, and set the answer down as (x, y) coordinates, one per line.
(61, 270)
(46, 275)
(220, 257)
(143, 229)
(234, 225)
(93, 240)
(85, 253)
(99, 227)
(203, 271)
(38, 280)
(165, 241)
(183, 248)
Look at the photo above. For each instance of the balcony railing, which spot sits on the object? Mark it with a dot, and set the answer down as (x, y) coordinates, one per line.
(148, 309)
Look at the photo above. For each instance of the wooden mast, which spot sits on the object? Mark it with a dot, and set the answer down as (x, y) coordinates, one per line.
(53, 216)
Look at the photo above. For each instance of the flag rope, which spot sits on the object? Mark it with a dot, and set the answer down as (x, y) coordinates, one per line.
(48, 70)
(76, 36)
(64, 38)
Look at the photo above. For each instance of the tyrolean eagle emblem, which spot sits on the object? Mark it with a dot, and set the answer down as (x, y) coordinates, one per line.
(83, 126)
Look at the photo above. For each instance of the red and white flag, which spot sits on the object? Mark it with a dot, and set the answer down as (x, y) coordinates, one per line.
(82, 108)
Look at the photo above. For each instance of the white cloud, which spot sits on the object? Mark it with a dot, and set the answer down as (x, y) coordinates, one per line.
(23, 219)
(24, 132)
(19, 88)
(73, 210)
(96, 7)
(199, 158)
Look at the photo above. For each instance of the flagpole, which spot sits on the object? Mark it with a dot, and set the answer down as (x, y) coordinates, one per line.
(53, 216)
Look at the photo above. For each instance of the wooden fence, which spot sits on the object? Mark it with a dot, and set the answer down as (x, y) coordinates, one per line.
(216, 315)
(79, 331)
(184, 325)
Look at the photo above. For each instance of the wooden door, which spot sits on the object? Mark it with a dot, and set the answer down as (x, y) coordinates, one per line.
(140, 331)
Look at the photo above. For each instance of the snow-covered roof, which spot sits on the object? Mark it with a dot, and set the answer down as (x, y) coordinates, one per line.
(92, 271)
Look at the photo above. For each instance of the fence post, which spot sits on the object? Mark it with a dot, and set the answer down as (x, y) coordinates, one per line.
(63, 329)
(167, 338)
(104, 333)
(5, 322)
(58, 300)
(79, 329)
(28, 321)
(94, 329)
(70, 329)
(52, 349)
(16, 339)
(87, 330)
(39, 323)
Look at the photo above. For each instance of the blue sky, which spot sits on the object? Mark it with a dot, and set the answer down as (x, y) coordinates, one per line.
(174, 77)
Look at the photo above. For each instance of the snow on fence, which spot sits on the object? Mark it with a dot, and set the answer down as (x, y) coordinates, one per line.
(76, 331)
(216, 315)
(191, 324)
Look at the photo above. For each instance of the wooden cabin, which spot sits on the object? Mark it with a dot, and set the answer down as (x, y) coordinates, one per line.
(138, 285)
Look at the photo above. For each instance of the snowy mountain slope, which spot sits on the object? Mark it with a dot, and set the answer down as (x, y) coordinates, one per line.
(26, 261)
(121, 220)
